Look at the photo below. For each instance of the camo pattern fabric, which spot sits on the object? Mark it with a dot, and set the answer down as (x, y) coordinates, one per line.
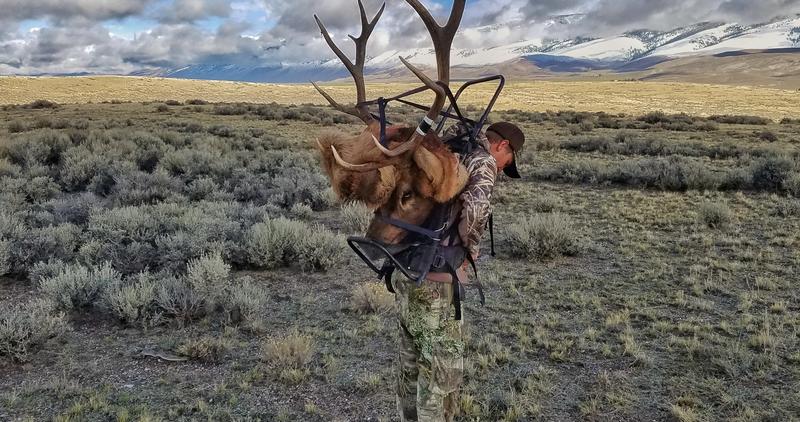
(431, 358)
(475, 199)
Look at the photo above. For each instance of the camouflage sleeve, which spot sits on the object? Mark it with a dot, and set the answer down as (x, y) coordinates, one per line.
(475, 201)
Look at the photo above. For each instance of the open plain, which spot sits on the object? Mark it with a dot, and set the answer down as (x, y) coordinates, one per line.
(171, 251)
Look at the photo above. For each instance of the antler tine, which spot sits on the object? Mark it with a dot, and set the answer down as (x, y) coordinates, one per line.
(442, 36)
(356, 69)
(349, 110)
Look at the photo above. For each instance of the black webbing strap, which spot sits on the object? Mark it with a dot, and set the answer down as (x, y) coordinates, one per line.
(457, 296)
(431, 234)
(386, 274)
(491, 232)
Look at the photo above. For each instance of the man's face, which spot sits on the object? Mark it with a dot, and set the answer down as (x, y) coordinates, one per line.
(502, 153)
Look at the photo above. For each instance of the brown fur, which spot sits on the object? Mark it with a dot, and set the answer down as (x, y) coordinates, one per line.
(431, 174)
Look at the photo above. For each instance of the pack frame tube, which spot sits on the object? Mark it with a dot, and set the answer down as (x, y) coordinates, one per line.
(446, 114)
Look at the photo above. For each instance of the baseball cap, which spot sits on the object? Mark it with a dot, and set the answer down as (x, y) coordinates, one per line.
(515, 138)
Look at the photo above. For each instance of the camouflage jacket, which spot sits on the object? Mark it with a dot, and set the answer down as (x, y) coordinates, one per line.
(474, 199)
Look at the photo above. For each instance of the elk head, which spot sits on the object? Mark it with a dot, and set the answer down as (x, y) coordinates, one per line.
(415, 171)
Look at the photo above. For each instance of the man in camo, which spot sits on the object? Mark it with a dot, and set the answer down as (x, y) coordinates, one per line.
(431, 361)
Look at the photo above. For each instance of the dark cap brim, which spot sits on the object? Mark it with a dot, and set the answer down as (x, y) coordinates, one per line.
(511, 169)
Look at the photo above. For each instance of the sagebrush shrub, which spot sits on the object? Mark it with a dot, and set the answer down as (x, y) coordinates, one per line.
(273, 243)
(77, 286)
(177, 299)
(282, 242)
(767, 136)
(787, 207)
(41, 104)
(5, 257)
(209, 276)
(371, 297)
(770, 173)
(319, 249)
(9, 169)
(544, 203)
(17, 126)
(714, 214)
(544, 236)
(355, 217)
(302, 211)
(792, 184)
(41, 188)
(45, 243)
(133, 300)
(46, 269)
(40, 147)
(25, 326)
(74, 209)
(247, 303)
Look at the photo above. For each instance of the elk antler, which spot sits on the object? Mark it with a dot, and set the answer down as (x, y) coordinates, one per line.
(356, 70)
(442, 37)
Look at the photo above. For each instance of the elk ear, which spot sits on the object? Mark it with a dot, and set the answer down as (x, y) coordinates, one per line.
(446, 175)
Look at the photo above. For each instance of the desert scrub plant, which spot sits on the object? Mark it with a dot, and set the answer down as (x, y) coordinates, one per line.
(44, 243)
(209, 276)
(9, 169)
(206, 348)
(715, 215)
(771, 172)
(5, 257)
(355, 217)
(544, 236)
(17, 126)
(740, 119)
(786, 207)
(25, 326)
(544, 203)
(319, 249)
(370, 297)
(248, 304)
(272, 243)
(767, 136)
(290, 355)
(77, 286)
(301, 211)
(178, 300)
(41, 104)
(792, 184)
(133, 300)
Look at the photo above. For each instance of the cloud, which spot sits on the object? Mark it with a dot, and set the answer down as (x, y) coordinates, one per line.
(91, 9)
(75, 35)
(183, 11)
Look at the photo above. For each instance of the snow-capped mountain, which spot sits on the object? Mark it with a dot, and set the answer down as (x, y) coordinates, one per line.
(620, 52)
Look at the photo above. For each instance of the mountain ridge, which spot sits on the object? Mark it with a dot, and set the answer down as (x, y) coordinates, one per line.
(634, 50)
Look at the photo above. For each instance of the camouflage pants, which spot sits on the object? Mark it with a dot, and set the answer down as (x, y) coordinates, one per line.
(431, 359)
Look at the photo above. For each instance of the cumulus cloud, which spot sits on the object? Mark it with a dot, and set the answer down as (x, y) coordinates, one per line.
(76, 35)
(92, 9)
(181, 11)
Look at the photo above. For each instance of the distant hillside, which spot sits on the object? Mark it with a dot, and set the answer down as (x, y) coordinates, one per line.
(670, 55)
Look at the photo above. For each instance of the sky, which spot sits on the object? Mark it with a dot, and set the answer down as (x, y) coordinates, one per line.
(122, 36)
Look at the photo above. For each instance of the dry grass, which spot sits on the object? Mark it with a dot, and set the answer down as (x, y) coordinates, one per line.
(608, 96)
